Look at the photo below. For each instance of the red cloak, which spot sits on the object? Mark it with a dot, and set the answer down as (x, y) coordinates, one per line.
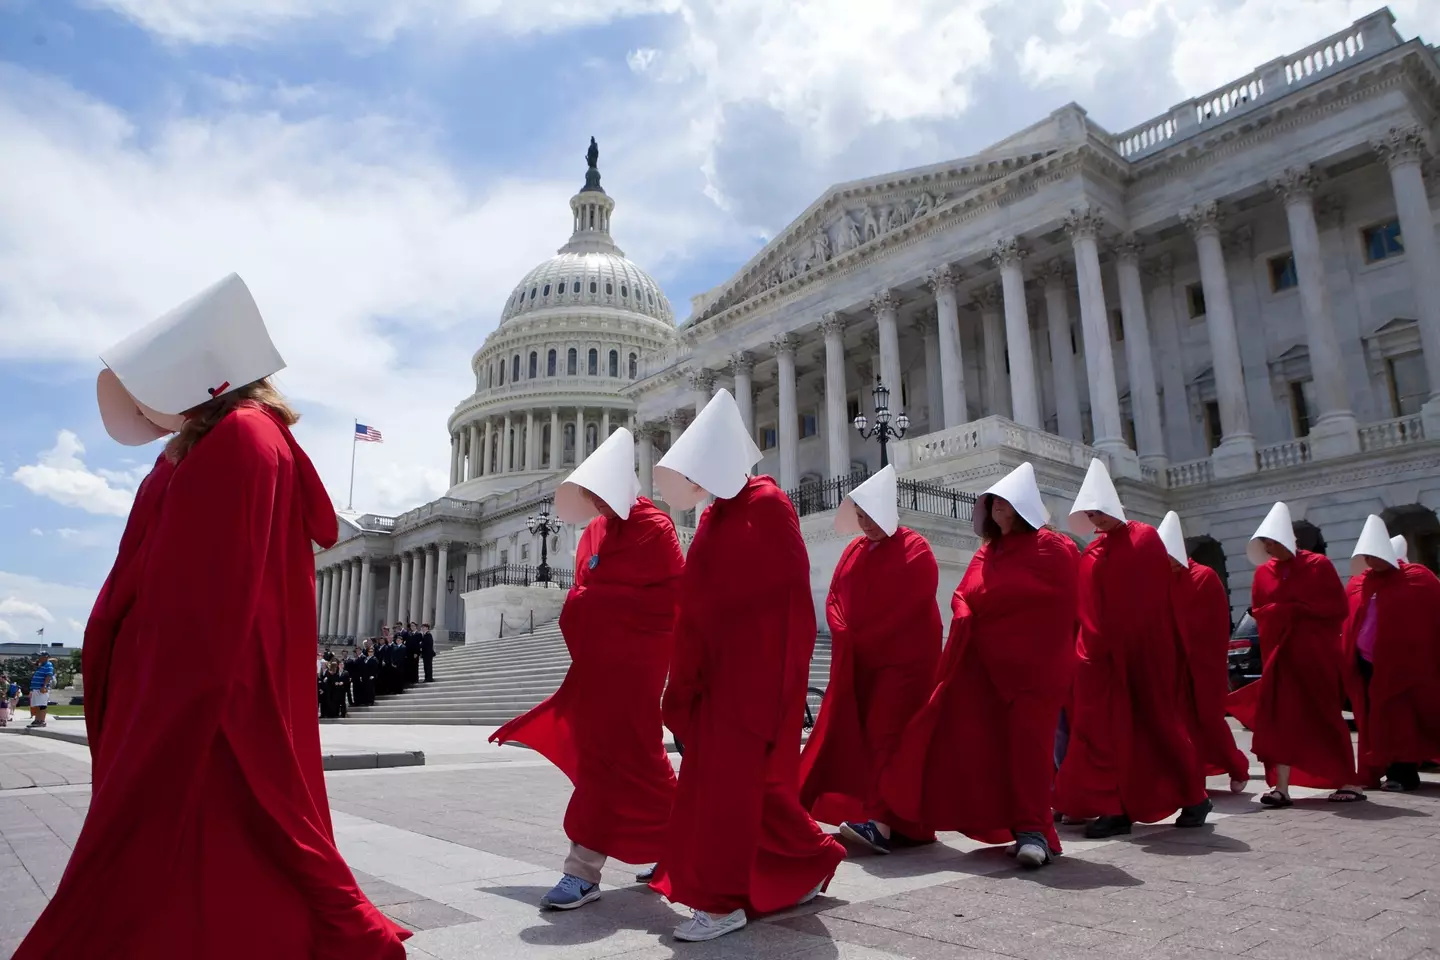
(1202, 614)
(979, 757)
(212, 791)
(738, 836)
(602, 727)
(1296, 707)
(885, 641)
(1398, 712)
(1129, 749)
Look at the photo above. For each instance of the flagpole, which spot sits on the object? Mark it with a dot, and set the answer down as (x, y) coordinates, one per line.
(350, 506)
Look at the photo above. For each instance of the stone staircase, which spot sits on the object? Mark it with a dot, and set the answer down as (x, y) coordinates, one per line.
(490, 682)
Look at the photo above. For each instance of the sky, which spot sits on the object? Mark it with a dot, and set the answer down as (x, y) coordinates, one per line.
(382, 172)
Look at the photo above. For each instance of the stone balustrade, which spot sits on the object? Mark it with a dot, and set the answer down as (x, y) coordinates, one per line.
(1287, 453)
(1391, 433)
(991, 433)
(1192, 473)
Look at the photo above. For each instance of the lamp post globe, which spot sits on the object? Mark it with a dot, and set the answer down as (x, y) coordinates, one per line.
(885, 429)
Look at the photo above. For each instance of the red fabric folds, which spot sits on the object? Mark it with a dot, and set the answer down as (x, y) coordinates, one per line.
(1295, 708)
(885, 642)
(738, 837)
(212, 786)
(1202, 614)
(1129, 748)
(1398, 711)
(979, 756)
(602, 727)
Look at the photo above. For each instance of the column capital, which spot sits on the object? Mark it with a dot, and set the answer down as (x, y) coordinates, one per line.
(1008, 252)
(832, 325)
(942, 279)
(1129, 249)
(1084, 223)
(1296, 185)
(742, 361)
(1401, 145)
(785, 345)
(989, 297)
(394, 562)
(1240, 241)
(1203, 219)
(702, 380)
(554, 411)
(647, 431)
(443, 544)
(1054, 272)
(884, 301)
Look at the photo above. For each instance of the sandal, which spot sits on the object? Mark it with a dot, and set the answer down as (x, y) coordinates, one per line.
(1276, 799)
(1347, 796)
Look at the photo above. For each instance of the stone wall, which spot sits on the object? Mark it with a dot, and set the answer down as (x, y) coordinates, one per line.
(484, 609)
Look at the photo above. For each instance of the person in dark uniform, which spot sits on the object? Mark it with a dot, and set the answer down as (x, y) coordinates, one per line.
(427, 651)
(350, 668)
(365, 667)
(385, 667)
(412, 654)
(332, 692)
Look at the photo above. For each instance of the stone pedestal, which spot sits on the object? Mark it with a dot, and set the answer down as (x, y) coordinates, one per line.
(1235, 457)
(485, 608)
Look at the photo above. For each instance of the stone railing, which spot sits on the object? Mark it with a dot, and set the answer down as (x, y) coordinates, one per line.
(685, 535)
(1287, 453)
(443, 508)
(1391, 433)
(1149, 474)
(1366, 37)
(988, 434)
(370, 521)
(678, 355)
(608, 388)
(1192, 473)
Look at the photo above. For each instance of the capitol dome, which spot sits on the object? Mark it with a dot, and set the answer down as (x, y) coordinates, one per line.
(551, 379)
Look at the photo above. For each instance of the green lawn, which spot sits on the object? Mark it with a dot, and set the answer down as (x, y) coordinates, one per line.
(55, 710)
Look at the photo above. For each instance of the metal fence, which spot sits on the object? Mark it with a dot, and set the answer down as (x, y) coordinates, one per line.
(916, 495)
(517, 575)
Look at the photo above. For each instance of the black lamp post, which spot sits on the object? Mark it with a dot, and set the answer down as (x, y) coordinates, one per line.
(450, 584)
(543, 526)
(885, 428)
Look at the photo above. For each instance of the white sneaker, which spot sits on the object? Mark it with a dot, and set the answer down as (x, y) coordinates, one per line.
(1032, 855)
(702, 926)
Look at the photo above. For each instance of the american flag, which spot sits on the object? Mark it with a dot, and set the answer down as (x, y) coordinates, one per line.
(368, 434)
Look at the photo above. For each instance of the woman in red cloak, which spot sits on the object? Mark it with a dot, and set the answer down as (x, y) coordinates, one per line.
(739, 841)
(602, 727)
(1295, 708)
(1130, 756)
(885, 636)
(1202, 614)
(979, 756)
(1392, 644)
(207, 777)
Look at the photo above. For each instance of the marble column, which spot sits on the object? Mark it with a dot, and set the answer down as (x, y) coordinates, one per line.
(997, 387)
(346, 574)
(645, 453)
(507, 447)
(1024, 388)
(952, 361)
(473, 563)
(427, 596)
(442, 571)
(1178, 425)
(1062, 353)
(487, 467)
(1139, 356)
(742, 364)
(1084, 227)
(1236, 454)
(924, 327)
(885, 304)
(579, 435)
(365, 622)
(837, 430)
(392, 593)
(604, 426)
(457, 457)
(323, 593)
(417, 586)
(1334, 432)
(407, 577)
(557, 439)
(1402, 150)
(789, 426)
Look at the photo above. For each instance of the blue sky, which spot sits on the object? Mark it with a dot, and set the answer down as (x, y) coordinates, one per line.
(382, 172)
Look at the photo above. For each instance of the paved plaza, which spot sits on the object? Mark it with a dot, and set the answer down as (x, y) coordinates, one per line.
(461, 849)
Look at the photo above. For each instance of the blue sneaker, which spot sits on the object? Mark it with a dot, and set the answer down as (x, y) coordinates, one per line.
(866, 834)
(569, 893)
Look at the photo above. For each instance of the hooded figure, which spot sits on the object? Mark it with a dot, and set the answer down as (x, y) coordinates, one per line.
(1294, 709)
(1202, 615)
(602, 727)
(885, 634)
(979, 756)
(1392, 652)
(206, 765)
(1130, 756)
(738, 840)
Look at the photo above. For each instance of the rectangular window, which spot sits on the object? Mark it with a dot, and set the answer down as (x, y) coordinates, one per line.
(1117, 326)
(809, 425)
(852, 409)
(1128, 430)
(1302, 401)
(1409, 383)
(767, 438)
(524, 552)
(1213, 433)
(1282, 273)
(1195, 299)
(504, 557)
(1382, 241)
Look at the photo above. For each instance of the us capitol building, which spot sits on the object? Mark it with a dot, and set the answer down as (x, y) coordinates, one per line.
(1235, 302)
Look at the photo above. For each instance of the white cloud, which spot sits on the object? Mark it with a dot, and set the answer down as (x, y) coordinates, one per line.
(1064, 63)
(8, 631)
(24, 610)
(67, 607)
(61, 475)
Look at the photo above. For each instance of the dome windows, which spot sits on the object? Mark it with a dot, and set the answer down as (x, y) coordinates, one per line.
(592, 286)
(624, 291)
(533, 291)
(550, 363)
(593, 362)
(609, 289)
(534, 364)
(571, 367)
(576, 288)
(634, 364)
(546, 292)
(614, 363)
(515, 369)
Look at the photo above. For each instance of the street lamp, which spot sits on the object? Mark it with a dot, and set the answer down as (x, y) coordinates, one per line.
(884, 428)
(450, 584)
(543, 526)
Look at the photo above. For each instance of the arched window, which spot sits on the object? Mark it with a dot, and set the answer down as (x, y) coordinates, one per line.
(568, 454)
(532, 293)
(593, 365)
(590, 434)
(614, 364)
(570, 366)
(515, 369)
(624, 291)
(502, 373)
(489, 374)
(546, 291)
(609, 289)
(634, 365)
(550, 363)
(576, 288)
(534, 364)
(592, 286)
(545, 446)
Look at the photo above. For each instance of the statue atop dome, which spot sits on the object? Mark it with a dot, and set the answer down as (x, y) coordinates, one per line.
(592, 174)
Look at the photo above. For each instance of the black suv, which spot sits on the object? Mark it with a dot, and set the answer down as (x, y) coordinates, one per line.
(1244, 655)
